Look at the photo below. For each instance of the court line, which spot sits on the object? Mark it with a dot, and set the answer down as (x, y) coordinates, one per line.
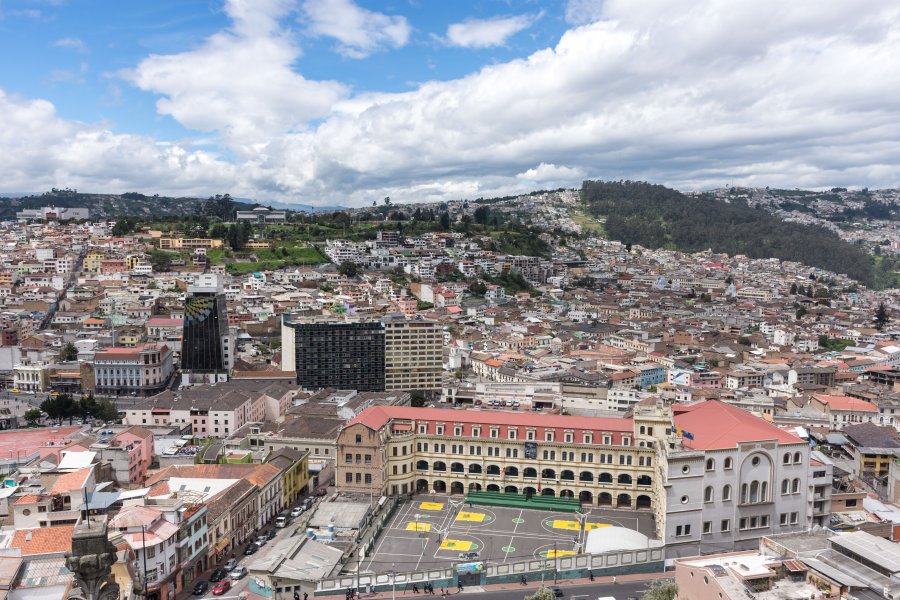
(513, 537)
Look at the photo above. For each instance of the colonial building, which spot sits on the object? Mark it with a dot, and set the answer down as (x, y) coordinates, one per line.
(139, 371)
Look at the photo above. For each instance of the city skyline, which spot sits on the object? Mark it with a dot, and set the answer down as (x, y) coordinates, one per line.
(342, 102)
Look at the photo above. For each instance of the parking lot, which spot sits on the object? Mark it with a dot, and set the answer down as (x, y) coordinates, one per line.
(433, 530)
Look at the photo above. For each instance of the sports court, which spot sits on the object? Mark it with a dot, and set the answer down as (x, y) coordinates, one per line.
(432, 530)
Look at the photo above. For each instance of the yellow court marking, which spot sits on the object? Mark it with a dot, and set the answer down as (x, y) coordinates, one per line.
(418, 527)
(431, 506)
(590, 526)
(471, 516)
(562, 524)
(558, 553)
(457, 545)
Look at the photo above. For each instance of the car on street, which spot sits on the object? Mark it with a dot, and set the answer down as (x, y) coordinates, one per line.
(468, 555)
(282, 521)
(270, 534)
(296, 512)
(230, 564)
(15, 391)
(261, 540)
(250, 549)
(201, 587)
(222, 587)
(218, 575)
(239, 573)
(557, 591)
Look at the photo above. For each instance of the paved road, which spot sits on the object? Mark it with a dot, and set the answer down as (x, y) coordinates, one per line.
(591, 591)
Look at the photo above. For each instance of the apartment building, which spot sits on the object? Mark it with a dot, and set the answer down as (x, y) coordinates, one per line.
(396, 450)
(138, 371)
(175, 243)
(413, 354)
(340, 353)
(215, 411)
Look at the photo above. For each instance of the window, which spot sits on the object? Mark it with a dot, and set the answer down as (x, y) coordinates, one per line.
(782, 519)
(607, 440)
(476, 432)
(795, 487)
(349, 458)
(798, 458)
(686, 469)
(726, 493)
(359, 457)
(358, 477)
(588, 438)
(457, 431)
(548, 436)
(850, 503)
(764, 521)
(368, 459)
(755, 461)
(742, 524)
(785, 485)
(707, 527)
(368, 478)
(710, 464)
(529, 435)
(423, 428)
(708, 494)
(794, 518)
(512, 434)
(685, 499)
(726, 525)
(494, 432)
(358, 438)
(439, 430)
(349, 477)
(787, 458)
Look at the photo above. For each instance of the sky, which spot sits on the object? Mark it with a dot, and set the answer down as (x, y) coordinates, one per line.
(344, 102)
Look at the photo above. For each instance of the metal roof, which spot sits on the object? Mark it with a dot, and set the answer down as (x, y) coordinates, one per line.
(872, 548)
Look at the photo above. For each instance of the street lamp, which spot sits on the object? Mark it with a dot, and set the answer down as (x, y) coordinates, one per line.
(393, 582)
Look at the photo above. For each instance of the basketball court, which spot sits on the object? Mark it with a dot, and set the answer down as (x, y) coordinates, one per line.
(433, 530)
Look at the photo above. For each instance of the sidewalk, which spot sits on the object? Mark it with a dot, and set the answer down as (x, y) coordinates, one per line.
(532, 585)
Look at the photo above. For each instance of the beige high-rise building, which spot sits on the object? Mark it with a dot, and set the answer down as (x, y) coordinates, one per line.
(413, 354)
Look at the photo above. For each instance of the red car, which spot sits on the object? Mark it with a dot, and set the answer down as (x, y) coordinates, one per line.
(221, 587)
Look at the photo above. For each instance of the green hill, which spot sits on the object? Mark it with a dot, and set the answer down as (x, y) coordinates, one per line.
(655, 216)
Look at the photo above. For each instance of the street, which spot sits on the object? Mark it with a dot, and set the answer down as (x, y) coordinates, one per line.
(590, 591)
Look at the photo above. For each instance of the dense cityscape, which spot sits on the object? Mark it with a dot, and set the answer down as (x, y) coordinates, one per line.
(235, 404)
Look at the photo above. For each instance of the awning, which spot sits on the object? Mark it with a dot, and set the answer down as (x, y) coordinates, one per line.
(223, 543)
(795, 566)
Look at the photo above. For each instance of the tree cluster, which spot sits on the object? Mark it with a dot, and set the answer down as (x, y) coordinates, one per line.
(658, 217)
(64, 406)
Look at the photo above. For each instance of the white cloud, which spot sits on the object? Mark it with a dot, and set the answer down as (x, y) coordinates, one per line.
(72, 43)
(484, 33)
(579, 12)
(359, 32)
(754, 92)
(40, 150)
(552, 173)
(239, 82)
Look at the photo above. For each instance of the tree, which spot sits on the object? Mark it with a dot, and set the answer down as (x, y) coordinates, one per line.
(160, 260)
(541, 593)
(68, 352)
(387, 200)
(800, 312)
(87, 407)
(477, 288)
(793, 288)
(445, 221)
(417, 398)
(106, 411)
(744, 340)
(661, 591)
(32, 416)
(348, 269)
(60, 407)
(881, 316)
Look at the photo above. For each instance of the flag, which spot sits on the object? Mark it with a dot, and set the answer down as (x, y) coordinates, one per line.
(689, 435)
(539, 486)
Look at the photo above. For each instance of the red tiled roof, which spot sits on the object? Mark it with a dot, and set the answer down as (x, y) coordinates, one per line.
(71, 481)
(846, 403)
(717, 426)
(28, 499)
(45, 540)
(377, 417)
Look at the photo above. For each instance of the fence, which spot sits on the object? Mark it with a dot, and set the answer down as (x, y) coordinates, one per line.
(569, 567)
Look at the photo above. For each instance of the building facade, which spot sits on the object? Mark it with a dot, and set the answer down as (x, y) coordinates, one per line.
(413, 354)
(139, 371)
(339, 353)
(206, 351)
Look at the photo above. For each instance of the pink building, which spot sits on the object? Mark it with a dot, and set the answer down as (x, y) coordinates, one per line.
(130, 453)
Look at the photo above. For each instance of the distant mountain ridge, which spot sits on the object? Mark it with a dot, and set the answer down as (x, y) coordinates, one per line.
(655, 216)
(130, 204)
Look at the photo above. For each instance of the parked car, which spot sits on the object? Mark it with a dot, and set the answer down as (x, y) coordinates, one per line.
(218, 575)
(239, 573)
(222, 587)
(270, 534)
(250, 549)
(261, 540)
(557, 591)
(468, 555)
(230, 564)
(201, 587)
(296, 512)
(307, 503)
(281, 521)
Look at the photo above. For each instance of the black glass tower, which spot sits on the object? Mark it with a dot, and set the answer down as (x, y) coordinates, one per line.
(204, 351)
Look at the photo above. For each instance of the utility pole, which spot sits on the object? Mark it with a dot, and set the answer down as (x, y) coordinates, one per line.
(144, 554)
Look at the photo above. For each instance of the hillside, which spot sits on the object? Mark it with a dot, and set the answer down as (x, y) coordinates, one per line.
(658, 217)
(106, 206)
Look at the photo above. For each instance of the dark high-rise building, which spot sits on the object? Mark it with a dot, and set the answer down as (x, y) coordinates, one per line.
(339, 353)
(206, 355)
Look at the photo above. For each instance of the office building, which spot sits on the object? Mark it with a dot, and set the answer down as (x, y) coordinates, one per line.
(413, 354)
(207, 354)
(343, 353)
(140, 371)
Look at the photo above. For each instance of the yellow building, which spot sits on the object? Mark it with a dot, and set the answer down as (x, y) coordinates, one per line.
(174, 243)
(294, 465)
(93, 260)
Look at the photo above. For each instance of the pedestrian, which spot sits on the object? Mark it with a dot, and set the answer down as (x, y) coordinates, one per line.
(614, 579)
(443, 594)
(524, 580)
(415, 589)
(459, 587)
(296, 595)
(305, 596)
(591, 575)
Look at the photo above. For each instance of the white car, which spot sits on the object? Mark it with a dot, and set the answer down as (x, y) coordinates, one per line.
(296, 512)
(239, 572)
